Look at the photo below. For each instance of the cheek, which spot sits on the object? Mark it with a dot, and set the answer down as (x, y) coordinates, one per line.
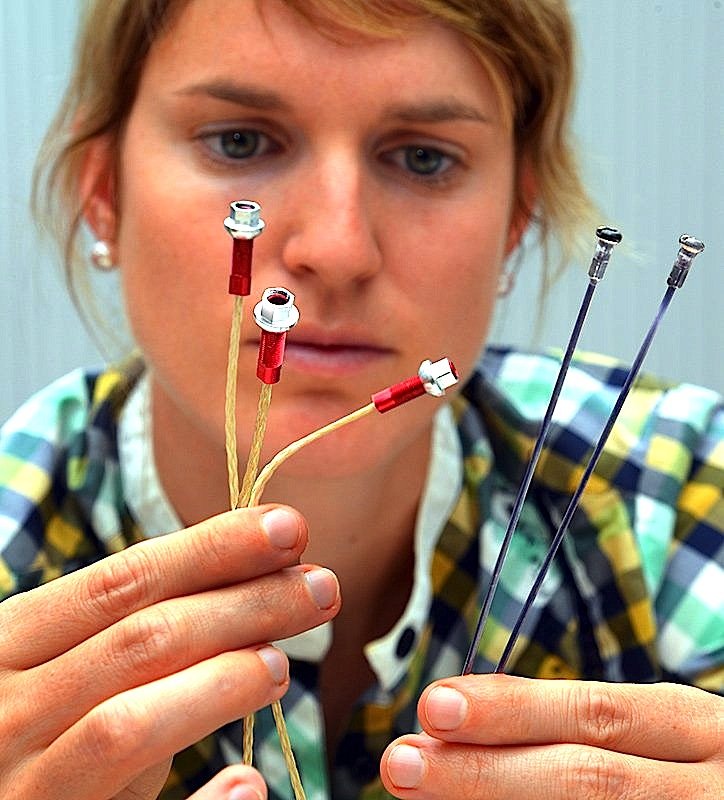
(171, 234)
(174, 268)
(458, 280)
(172, 249)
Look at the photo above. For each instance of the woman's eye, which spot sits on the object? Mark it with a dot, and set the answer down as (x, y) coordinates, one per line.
(237, 145)
(422, 162)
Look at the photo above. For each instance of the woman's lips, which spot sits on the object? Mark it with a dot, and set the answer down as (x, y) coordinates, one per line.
(331, 359)
(317, 351)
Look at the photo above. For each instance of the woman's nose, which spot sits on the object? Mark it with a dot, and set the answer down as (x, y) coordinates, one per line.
(331, 232)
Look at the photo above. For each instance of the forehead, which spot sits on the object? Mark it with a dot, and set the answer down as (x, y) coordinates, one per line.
(341, 21)
(268, 40)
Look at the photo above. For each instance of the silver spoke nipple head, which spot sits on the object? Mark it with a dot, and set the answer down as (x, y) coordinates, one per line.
(437, 376)
(276, 312)
(610, 235)
(690, 247)
(244, 221)
(607, 238)
(691, 243)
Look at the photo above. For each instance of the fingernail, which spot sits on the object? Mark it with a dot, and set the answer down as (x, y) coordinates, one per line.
(446, 708)
(281, 527)
(323, 587)
(276, 662)
(244, 793)
(405, 766)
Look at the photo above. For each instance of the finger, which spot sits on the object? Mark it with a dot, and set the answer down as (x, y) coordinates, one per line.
(233, 547)
(173, 635)
(147, 785)
(505, 710)
(427, 769)
(234, 783)
(128, 734)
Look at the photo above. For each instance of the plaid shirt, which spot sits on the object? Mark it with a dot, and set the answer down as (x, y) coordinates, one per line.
(635, 594)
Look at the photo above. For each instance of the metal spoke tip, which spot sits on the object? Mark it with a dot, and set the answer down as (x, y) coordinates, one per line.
(608, 234)
(691, 243)
(689, 249)
(607, 239)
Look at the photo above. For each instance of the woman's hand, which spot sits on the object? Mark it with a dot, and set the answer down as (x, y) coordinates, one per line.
(494, 736)
(106, 673)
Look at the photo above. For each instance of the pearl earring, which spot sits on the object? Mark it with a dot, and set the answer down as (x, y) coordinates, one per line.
(101, 257)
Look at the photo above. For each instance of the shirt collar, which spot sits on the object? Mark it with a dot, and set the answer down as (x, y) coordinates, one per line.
(143, 492)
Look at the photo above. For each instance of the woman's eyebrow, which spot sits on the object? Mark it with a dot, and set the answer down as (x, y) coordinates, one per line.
(242, 94)
(443, 110)
(251, 96)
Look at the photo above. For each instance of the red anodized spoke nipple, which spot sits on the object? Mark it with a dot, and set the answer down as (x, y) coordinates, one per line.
(244, 224)
(275, 314)
(432, 378)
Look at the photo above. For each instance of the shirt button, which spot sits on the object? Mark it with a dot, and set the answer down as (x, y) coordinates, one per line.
(405, 643)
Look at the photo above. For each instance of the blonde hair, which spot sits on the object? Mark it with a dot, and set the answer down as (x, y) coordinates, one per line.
(527, 47)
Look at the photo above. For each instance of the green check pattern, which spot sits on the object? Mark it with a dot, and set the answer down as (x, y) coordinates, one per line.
(636, 593)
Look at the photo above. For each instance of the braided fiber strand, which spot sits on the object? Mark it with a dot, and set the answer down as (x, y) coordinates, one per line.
(239, 499)
(232, 461)
(287, 750)
(248, 740)
(252, 464)
(276, 462)
(255, 495)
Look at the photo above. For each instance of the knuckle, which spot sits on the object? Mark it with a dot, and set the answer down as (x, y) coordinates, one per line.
(115, 731)
(706, 719)
(695, 713)
(122, 582)
(715, 779)
(214, 546)
(229, 683)
(18, 706)
(11, 611)
(12, 614)
(604, 717)
(263, 604)
(148, 638)
(518, 711)
(716, 727)
(487, 767)
(590, 773)
(234, 686)
(240, 678)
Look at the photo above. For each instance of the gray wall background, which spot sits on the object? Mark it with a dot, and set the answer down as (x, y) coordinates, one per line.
(650, 122)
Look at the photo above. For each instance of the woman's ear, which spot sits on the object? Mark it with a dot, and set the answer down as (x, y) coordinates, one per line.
(525, 197)
(97, 186)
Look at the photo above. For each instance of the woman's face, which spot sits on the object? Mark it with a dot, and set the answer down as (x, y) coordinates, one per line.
(386, 176)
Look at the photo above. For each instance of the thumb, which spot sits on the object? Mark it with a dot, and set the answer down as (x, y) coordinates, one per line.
(234, 783)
